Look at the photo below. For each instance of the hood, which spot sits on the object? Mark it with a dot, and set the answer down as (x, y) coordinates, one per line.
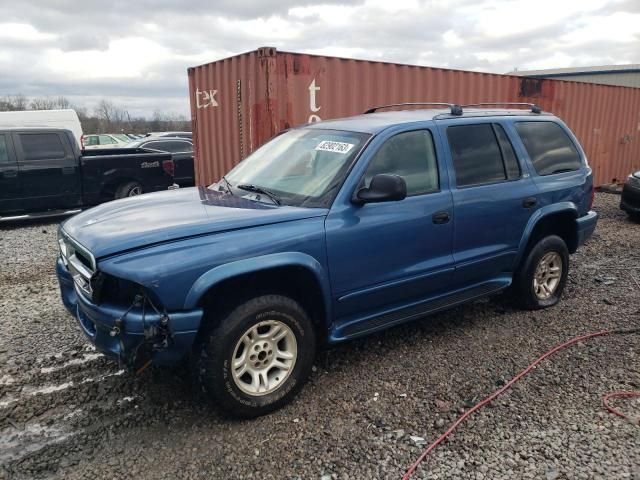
(158, 217)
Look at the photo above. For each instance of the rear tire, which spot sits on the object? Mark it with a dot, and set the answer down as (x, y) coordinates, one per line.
(258, 357)
(634, 217)
(129, 189)
(542, 276)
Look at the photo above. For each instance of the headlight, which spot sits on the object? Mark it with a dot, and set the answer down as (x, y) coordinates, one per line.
(63, 249)
(109, 289)
(633, 181)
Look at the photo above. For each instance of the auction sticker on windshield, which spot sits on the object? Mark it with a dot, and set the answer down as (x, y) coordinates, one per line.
(336, 147)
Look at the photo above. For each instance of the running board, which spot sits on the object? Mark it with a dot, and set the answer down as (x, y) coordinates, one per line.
(357, 328)
(38, 216)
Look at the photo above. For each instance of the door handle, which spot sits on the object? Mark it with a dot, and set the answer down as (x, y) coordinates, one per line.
(440, 217)
(10, 173)
(68, 170)
(529, 202)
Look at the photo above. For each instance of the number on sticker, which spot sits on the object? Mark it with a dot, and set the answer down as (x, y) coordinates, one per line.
(336, 147)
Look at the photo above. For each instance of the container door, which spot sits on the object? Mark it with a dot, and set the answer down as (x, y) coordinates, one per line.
(386, 255)
(493, 199)
(48, 169)
(9, 179)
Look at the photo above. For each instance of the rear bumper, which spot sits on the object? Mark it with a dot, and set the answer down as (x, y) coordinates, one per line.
(97, 322)
(630, 199)
(586, 226)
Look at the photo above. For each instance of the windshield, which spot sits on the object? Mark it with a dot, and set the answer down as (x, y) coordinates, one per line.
(303, 167)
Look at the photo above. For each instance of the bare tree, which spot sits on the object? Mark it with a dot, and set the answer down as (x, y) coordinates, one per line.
(106, 117)
(49, 103)
(13, 103)
(42, 103)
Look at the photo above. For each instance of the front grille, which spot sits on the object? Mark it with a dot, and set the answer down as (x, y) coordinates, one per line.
(80, 263)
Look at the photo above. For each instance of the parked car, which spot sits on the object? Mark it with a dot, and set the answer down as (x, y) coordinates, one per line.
(170, 134)
(329, 232)
(66, 118)
(630, 199)
(104, 140)
(182, 150)
(42, 171)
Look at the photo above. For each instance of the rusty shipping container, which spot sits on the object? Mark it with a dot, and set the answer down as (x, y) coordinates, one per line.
(240, 102)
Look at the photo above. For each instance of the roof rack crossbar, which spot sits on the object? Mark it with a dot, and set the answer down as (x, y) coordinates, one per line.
(454, 107)
(534, 108)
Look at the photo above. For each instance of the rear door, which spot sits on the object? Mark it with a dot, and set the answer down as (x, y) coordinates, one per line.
(9, 180)
(48, 170)
(493, 199)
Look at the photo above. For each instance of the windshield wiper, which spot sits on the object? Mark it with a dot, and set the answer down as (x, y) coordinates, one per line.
(256, 189)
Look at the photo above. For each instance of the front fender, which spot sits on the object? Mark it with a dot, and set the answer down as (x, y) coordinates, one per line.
(256, 264)
(560, 207)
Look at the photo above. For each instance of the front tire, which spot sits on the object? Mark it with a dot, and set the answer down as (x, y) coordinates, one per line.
(258, 357)
(540, 281)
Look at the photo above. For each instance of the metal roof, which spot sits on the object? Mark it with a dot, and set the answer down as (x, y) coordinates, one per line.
(553, 72)
(376, 122)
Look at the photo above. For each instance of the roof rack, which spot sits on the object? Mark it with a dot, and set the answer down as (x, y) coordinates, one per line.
(534, 108)
(454, 107)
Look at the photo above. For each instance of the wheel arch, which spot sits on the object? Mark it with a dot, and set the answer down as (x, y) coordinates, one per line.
(557, 219)
(294, 273)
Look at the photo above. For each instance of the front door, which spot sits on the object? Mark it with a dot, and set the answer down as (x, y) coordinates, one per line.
(384, 256)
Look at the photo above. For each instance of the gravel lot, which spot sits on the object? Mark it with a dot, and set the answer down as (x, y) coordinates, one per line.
(370, 406)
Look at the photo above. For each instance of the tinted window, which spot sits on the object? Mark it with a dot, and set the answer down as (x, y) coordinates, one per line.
(4, 152)
(410, 155)
(179, 146)
(161, 146)
(476, 155)
(508, 155)
(549, 147)
(41, 146)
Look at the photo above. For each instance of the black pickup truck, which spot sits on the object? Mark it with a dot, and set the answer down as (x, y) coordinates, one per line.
(43, 171)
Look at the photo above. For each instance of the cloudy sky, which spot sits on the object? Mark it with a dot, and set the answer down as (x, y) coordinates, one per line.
(137, 52)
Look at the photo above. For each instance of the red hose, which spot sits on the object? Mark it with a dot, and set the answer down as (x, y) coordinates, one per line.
(508, 385)
(605, 402)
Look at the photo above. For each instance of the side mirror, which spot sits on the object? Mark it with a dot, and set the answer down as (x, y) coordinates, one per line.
(383, 188)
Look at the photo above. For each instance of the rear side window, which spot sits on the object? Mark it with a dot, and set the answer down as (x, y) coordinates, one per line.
(4, 151)
(41, 146)
(549, 147)
(106, 140)
(410, 155)
(161, 146)
(179, 147)
(476, 155)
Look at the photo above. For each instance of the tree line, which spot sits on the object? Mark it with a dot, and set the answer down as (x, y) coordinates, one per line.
(106, 117)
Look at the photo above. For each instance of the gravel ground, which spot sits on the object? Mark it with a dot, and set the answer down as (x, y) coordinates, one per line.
(370, 406)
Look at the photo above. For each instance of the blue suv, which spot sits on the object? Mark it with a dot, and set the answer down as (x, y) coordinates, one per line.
(329, 232)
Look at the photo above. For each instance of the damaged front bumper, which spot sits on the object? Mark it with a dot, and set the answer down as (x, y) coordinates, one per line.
(131, 334)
